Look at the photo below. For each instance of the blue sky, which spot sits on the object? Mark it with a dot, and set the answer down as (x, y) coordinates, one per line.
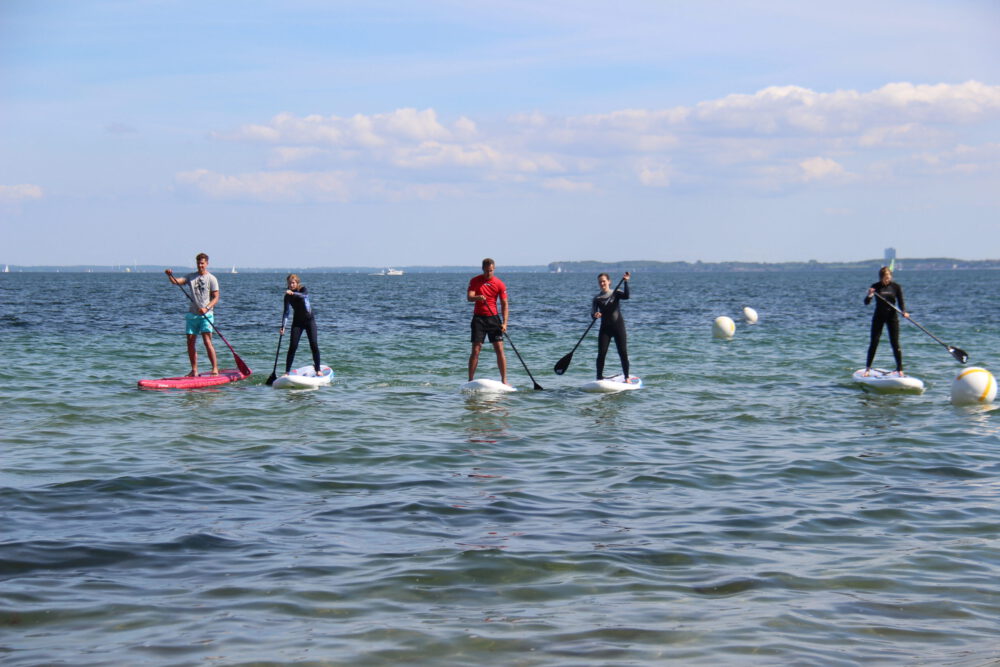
(307, 133)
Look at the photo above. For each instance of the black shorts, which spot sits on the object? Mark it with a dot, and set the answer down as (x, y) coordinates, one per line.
(486, 325)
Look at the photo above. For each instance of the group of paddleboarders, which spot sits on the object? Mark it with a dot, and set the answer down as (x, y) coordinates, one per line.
(490, 316)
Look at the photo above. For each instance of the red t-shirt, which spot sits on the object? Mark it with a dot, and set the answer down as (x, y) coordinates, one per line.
(491, 290)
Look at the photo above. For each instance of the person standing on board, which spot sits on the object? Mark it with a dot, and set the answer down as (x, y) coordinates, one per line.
(885, 316)
(483, 291)
(606, 307)
(297, 307)
(205, 290)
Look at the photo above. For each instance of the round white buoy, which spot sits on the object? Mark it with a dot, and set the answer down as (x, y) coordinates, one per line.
(750, 315)
(973, 385)
(723, 327)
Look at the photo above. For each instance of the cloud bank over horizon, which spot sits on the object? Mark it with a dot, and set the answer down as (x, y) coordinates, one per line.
(776, 140)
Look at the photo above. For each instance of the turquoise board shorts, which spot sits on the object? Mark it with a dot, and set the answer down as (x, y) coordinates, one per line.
(197, 324)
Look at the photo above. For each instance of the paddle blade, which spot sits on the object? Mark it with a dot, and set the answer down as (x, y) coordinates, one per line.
(538, 387)
(270, 380)
(241, 365)
(959, 354)
(563, 364)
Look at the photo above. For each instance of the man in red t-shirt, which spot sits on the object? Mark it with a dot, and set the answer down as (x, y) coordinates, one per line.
(484, 290)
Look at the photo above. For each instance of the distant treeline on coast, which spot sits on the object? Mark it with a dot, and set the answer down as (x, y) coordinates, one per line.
(587, 266)
(926, 264)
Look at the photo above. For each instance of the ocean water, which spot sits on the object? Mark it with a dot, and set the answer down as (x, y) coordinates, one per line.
(748, 506)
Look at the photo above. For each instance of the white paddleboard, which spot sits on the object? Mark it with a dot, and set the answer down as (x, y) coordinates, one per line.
(885, 381)
(486, 386)
(613, 384)
(304, 378)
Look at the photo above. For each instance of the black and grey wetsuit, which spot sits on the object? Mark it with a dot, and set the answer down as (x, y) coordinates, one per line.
(612, 326)
(886, 316)
(298, 308)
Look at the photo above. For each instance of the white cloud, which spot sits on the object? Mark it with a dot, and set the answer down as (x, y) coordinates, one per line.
(983, 159)
(276, 186)
(16, 193)
(821, 169)
(654, 175)
(775, 138)
(283, 155)
(566, 185)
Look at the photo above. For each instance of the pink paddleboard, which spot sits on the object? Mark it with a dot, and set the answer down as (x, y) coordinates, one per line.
(203, 380)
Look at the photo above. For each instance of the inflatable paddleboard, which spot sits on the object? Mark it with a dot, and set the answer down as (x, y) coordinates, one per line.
(613, 384)
(197, 382)
(486, 386)
(304, 378)
(885, 381)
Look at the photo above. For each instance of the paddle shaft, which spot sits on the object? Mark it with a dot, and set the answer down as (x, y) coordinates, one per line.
(240, 364)
(960, 356)
(563, 363)
(274, 371)
(538, 387)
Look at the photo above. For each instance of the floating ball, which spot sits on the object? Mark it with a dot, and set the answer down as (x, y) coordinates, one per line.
(750, 315)
(723, 327)
(973, 385)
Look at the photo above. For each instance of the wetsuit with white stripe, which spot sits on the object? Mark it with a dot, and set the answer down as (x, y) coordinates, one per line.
(298, 308)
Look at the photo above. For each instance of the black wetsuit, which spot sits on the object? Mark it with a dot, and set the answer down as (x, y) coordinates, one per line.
(612, 326)
(885, 315)
(302, 320)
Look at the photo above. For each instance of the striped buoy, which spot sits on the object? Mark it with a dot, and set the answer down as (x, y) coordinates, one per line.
(973, 385)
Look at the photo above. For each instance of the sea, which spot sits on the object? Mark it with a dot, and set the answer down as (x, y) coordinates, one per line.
(748, 506)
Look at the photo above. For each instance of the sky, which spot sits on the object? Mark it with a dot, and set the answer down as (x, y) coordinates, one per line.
(434, 132)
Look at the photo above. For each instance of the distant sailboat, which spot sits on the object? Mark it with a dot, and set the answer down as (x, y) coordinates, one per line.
(6, 268)
(234, 269)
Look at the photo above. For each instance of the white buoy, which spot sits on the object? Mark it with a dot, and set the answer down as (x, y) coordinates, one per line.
(750, 315)
(723, 327)
(973, 385)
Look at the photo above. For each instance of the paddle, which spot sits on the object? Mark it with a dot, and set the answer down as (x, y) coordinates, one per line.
(239, 362)
(274, 373)
(563, 363)
(538, 387)
(959, 354)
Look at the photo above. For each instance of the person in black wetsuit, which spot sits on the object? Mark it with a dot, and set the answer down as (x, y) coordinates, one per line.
(885, 316)
(297, 307)
(606, 307)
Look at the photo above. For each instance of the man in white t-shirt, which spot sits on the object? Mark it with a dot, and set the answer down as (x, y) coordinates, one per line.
(205, 290)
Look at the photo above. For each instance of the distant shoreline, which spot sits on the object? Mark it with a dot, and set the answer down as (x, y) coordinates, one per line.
(588, 266)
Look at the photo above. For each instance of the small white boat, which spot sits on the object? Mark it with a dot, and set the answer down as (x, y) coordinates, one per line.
(393, 272)
(234, 269)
